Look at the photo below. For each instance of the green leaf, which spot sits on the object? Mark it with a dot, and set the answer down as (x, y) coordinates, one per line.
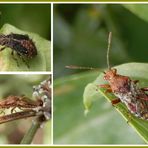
(136, 71)
(139, 10)
(39, 63)
(71, 126)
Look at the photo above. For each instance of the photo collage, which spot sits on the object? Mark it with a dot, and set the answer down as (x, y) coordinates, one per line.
(80, 70)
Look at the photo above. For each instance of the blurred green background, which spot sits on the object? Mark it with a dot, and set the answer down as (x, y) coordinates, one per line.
(29, 17)
(80, 38)
(12, 132)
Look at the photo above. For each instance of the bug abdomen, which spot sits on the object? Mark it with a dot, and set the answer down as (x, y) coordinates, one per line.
(142, 109)
(22, 44)
(135, 101)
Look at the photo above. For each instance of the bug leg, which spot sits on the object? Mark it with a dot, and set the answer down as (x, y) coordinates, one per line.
(115, 101)
(107, 87)
(21, 108)
(146, 98)
(13, 110)
(136, 81)
(108, 90)
(23, 96)
(143, 98)
(12, 53)
(2, 112)
(25, 62)
(1, 49)
(144, 89)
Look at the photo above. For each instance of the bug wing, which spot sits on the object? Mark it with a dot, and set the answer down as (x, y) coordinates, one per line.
(142, 108)
(18, 36)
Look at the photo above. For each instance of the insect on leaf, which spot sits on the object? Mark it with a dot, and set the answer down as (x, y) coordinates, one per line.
(41, 60)
(136, 71)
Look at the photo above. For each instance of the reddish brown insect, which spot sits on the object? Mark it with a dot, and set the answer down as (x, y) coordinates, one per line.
(21, 102)
(41, 108)
(125, 89)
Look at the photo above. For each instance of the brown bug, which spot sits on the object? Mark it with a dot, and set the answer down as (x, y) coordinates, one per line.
(125, 89)
(21, 44)
(22, 102)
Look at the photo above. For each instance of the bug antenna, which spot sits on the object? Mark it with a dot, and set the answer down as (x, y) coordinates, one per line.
(79, 67)
(108, 48)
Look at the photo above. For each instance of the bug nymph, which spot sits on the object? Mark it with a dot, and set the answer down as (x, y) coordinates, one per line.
(126, 90)
(21, 44)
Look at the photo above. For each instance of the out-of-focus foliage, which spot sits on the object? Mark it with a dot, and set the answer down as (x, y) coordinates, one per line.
(139, 10)
(80, 38)
(81, 31)
(29, 17)
(14, 131)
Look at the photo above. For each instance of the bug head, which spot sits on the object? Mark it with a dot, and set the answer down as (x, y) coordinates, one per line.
(110, 74)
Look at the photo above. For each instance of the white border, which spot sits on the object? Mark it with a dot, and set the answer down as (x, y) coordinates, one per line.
(97, 145)
(38, 72)
(66, 2)
(52, 71)
(106, 2)
(33, 73)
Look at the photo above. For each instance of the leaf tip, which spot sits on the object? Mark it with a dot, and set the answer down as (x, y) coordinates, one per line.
(86, 111)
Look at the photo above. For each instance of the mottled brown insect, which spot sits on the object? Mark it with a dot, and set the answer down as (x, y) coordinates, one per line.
(21, 102)
(124, 88)
(128, 92)
(21, 44)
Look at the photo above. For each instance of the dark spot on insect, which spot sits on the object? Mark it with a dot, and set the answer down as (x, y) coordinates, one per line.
(21, 44)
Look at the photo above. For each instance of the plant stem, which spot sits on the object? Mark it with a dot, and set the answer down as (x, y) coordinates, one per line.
(43, 113)
(16, 116)
(27, 139)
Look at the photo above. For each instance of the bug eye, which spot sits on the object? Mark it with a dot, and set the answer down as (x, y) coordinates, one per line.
(105, 77)
(114, 70)
(104, 72)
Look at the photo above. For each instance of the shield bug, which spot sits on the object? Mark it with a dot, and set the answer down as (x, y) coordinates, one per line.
(124, 88)
(21, 44)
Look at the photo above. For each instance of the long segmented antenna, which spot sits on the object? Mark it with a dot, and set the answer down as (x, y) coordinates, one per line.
(91, 68)
(79, 67)
(108, 48)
